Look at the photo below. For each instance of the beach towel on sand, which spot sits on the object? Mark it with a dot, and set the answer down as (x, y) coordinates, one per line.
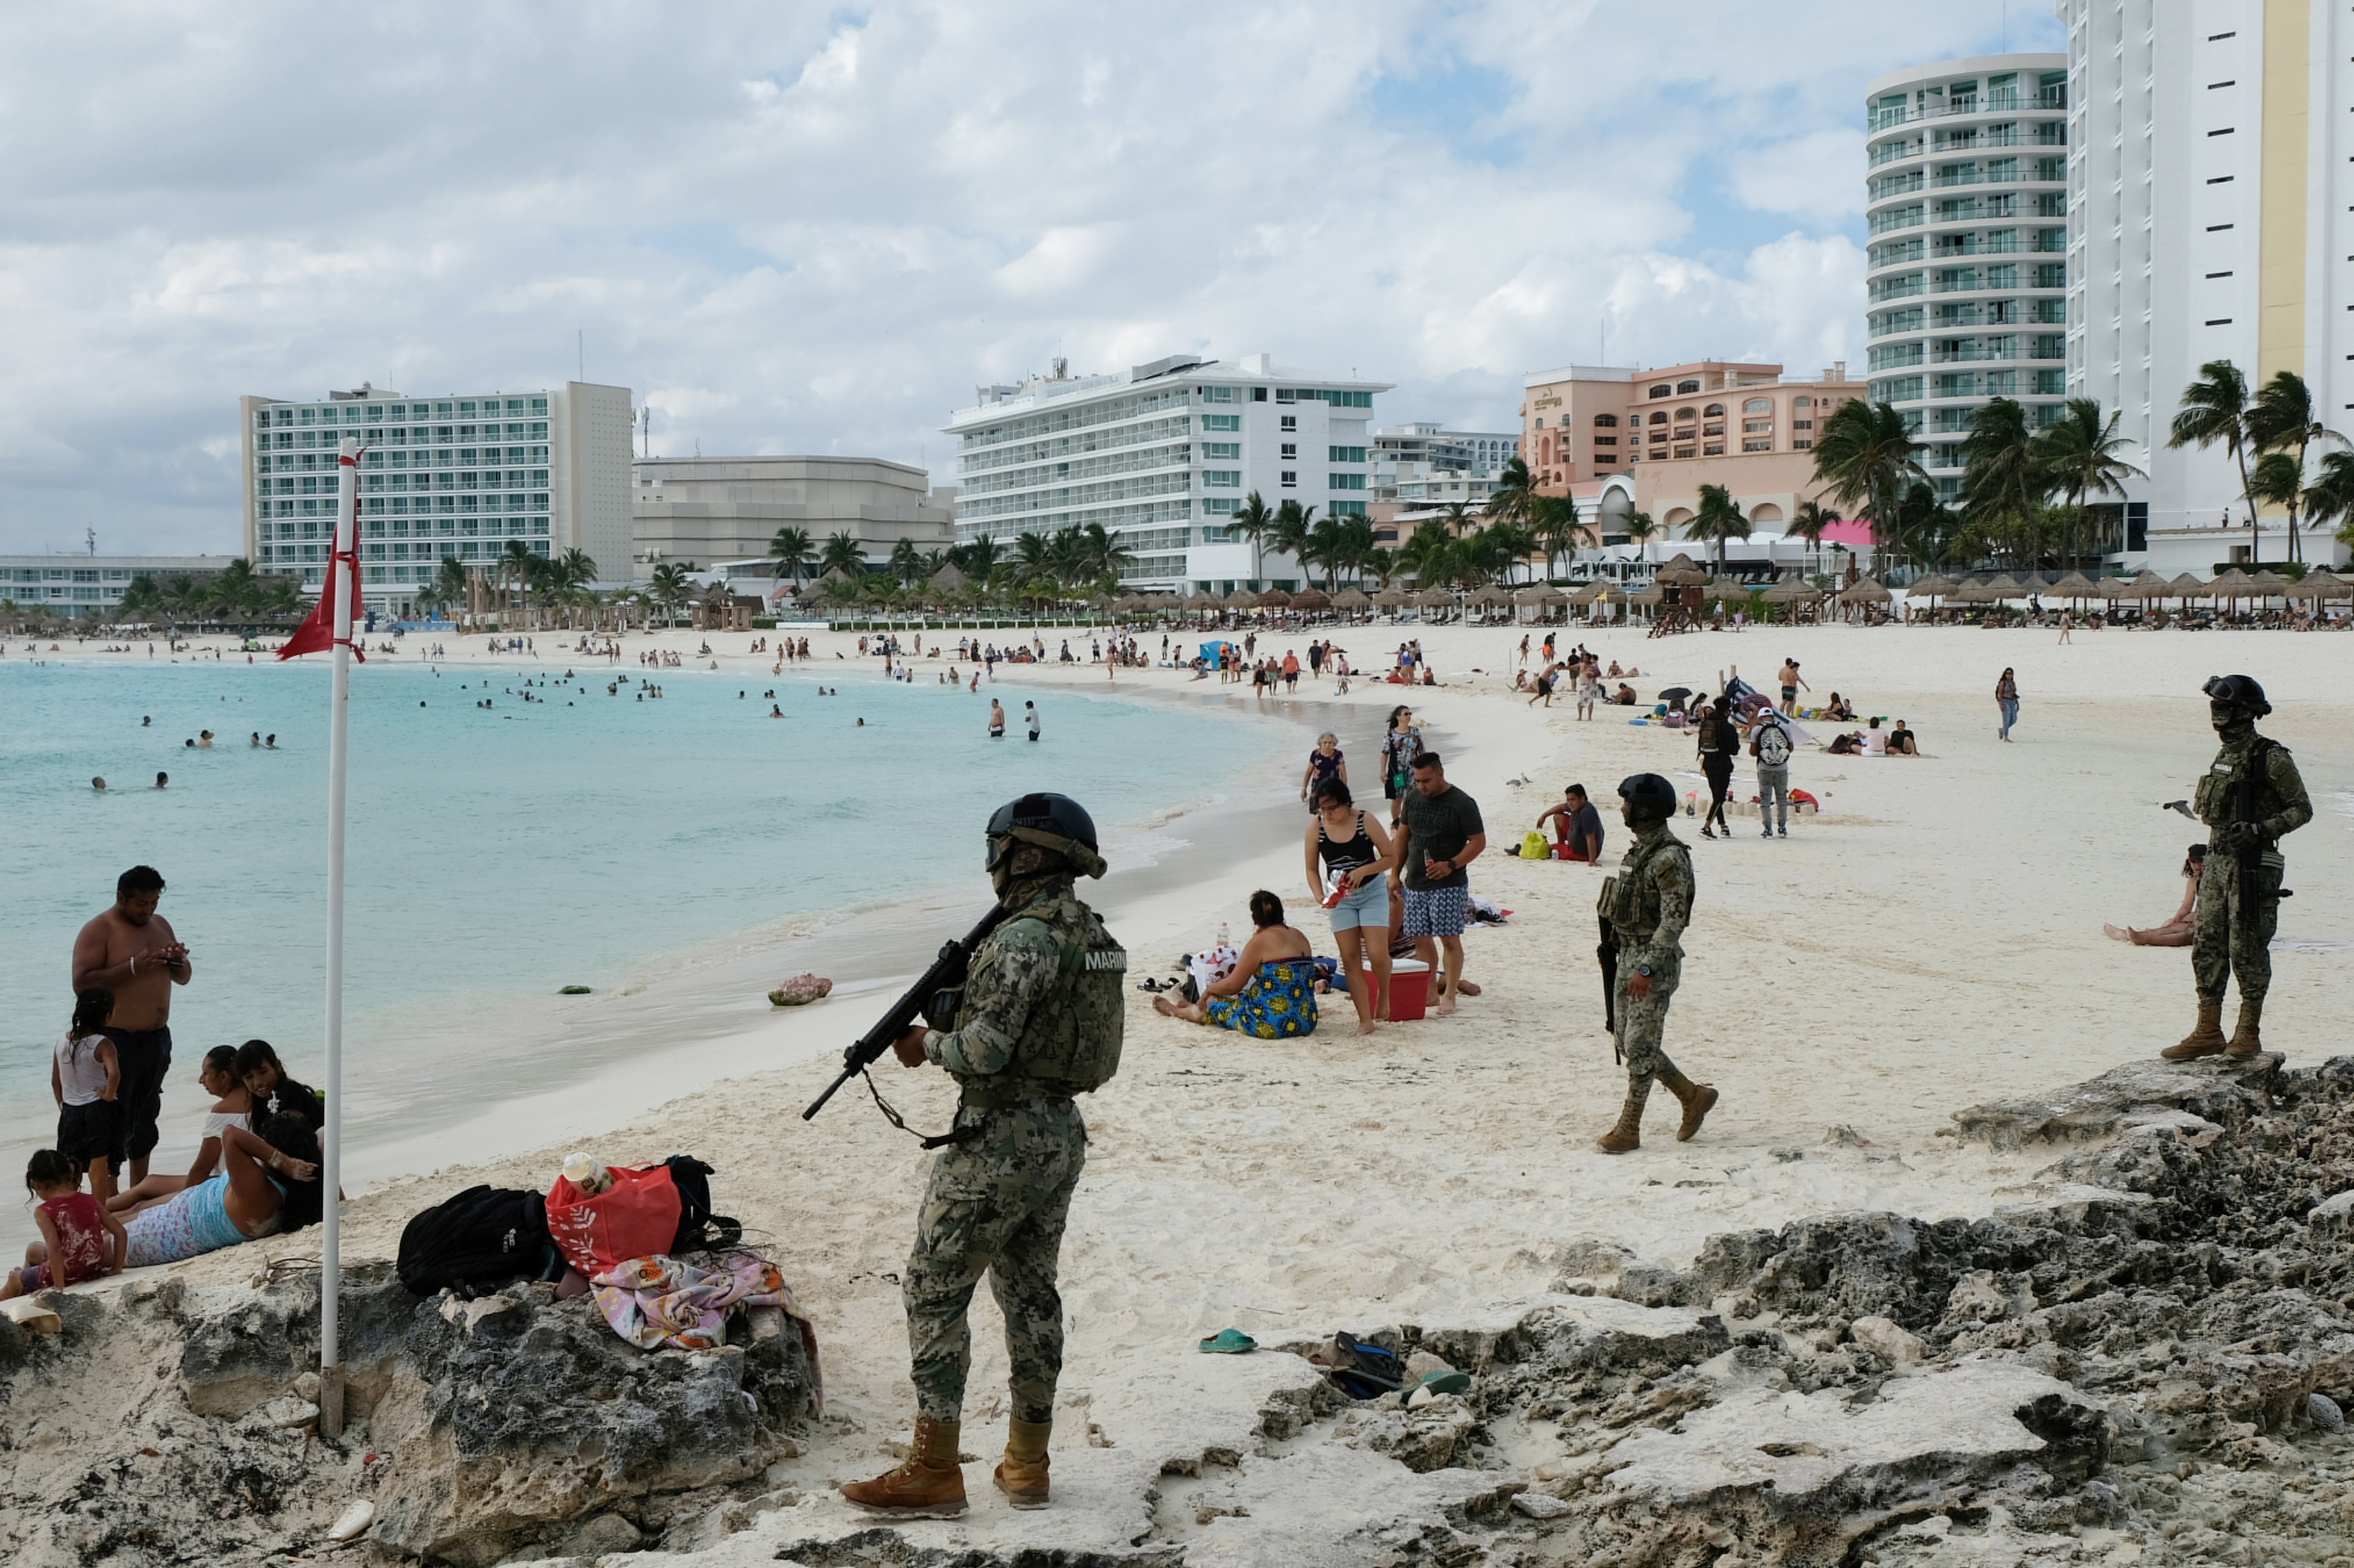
(659, 1302)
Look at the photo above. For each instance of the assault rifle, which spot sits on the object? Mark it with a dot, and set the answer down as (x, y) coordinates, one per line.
(947, 972)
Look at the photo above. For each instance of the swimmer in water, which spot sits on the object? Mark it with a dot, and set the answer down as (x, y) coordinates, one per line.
(98, 784)
(162, 779)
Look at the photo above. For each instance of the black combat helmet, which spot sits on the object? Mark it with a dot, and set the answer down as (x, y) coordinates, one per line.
(1056, 814)
(1055, 822)
(2239, 691)
(1648, 795)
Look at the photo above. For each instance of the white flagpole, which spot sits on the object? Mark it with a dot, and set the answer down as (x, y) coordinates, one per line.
(342, 583)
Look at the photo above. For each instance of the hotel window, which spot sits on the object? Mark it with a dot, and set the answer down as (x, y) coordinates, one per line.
(1757, 444)
(1291, 479)
(1663, 390)
(1660, 418)
(1230, 450)
(1759, 406)
(1222, 421)
(1222, 477)
(1714, 449)
(1687, 386)
(1291, 449)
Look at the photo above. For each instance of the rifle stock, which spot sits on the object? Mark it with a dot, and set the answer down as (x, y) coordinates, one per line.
(948, 970)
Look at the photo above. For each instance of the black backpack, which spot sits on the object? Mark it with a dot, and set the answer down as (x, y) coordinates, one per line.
(482, 1238)
(699, 1229)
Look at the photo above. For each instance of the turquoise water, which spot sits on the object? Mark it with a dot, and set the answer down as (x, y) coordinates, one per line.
(513, 851)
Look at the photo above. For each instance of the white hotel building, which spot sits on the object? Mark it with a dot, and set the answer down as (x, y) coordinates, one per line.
(1967, 201)
(1162, 455)
(2211, 216)
(452, 478)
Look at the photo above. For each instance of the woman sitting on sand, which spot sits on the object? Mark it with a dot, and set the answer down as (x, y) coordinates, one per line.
(1271, 990)
(1840, 709)
(270, 1182)
(231, 1106)
(273, 1091)
(1903, 742)
(2179, 928)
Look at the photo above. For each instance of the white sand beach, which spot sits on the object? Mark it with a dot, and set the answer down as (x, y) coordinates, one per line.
(1931, 940)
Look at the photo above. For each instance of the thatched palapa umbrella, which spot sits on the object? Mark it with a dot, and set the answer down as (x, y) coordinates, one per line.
(1273, 598)
(1933, 587)
(1310, 598)
(1681, 572)
(1351, 600)
(1792, 590)
(2075, 585)
(1864, 591)
(1654, 594)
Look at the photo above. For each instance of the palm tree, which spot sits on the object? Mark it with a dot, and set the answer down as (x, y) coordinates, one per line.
(1106, 555)
(1289, 532)
(2002, 474)
(1381, 564)
(2329, 499)
(1811, 522)
(791, 546)
(2082, 454)
(1638, 527)
(907, 560)
(575, 567)
(2215, 409)
(2284, 415)
(671, 587)
(977, 559)
(1866, 455)
(1556, 526)
(1719, 520)
(516, 565)
(1254, 520)
(842, 555)
(2276, 481)
(1515, 496)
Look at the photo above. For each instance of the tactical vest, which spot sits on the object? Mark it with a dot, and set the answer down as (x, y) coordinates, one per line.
(1630, 901)
(1070, 1043)
(2214, 801)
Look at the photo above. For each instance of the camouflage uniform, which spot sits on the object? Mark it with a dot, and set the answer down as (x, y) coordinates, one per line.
(1648, 904)
(2239, 908)
(997, 1201)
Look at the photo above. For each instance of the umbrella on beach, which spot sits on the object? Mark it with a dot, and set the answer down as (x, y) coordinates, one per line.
(2319, 585)
(2075, 585)
(1310, 598)
(1864, 591)
(1538, 593)
(1434, 599)
(1791, 590)
(1273, 598)
(1352, 599)
(1724, 589)
(1490, 595)
(1933, 587)
(948, 579)
(2005, 586)
(1681, 572)
(1671, 693)
(1654, 594)
(2232, 584)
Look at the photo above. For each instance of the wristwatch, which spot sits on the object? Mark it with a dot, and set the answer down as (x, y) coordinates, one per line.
(1643, 970)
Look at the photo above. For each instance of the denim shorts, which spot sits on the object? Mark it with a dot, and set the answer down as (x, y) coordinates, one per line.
(1368, 905)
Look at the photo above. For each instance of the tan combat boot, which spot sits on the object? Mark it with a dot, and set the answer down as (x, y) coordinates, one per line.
(2246, 1041)
(1628, 1136)
(1697, 1100)
(930, 1485)
(2206, 1040)
(1022, 1474)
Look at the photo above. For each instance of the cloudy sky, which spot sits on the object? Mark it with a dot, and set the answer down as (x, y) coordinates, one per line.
(791, 229)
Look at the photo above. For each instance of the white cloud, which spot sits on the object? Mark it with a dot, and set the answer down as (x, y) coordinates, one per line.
(791, 231)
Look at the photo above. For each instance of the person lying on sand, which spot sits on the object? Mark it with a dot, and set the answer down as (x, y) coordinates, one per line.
(1269, 992)
(2179, 927)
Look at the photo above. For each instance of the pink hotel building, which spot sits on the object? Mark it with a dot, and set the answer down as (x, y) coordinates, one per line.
(1646, 441)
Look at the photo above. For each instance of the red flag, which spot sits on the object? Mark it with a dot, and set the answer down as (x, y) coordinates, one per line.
(317, 632)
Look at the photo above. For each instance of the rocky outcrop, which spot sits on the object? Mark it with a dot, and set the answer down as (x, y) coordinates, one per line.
(475, 1428)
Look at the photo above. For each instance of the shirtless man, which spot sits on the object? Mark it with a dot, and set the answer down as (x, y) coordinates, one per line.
(130, 950)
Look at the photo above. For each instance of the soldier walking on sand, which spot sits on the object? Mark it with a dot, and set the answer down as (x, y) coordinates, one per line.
(1648, 904)
(2250, 798)
(1040, 1020)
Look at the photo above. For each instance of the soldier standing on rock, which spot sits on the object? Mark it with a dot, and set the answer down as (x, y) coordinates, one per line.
(2250, 799)
(1040, 1020)
(1648, 904)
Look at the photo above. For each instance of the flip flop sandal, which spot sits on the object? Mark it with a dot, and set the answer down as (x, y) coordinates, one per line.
(1228, 1342)
(1448, 1381)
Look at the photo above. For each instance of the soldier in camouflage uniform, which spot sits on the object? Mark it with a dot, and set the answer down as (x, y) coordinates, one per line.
(2250, 799)
(1040, 1020)
(1648, 904)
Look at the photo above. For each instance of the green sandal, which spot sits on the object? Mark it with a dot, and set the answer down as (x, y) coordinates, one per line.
(1228, 1342)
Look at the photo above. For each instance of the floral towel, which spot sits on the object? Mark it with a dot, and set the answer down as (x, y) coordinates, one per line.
(656, 1302)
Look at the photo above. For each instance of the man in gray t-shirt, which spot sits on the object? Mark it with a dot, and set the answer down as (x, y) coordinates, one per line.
(1442, 835)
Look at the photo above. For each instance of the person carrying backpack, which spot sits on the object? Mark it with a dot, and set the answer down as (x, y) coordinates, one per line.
(1769, 743)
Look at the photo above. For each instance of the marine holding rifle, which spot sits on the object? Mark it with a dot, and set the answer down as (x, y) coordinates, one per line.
(2250, 798)
(1038, 1020)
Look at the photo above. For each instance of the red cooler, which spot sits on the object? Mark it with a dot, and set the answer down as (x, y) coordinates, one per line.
(1409, 989)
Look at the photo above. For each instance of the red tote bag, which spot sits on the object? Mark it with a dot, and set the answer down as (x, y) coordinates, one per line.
(637, 1216)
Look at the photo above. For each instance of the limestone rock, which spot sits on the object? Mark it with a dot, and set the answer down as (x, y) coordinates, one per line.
(2221, 1091)
(1889, 1342)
